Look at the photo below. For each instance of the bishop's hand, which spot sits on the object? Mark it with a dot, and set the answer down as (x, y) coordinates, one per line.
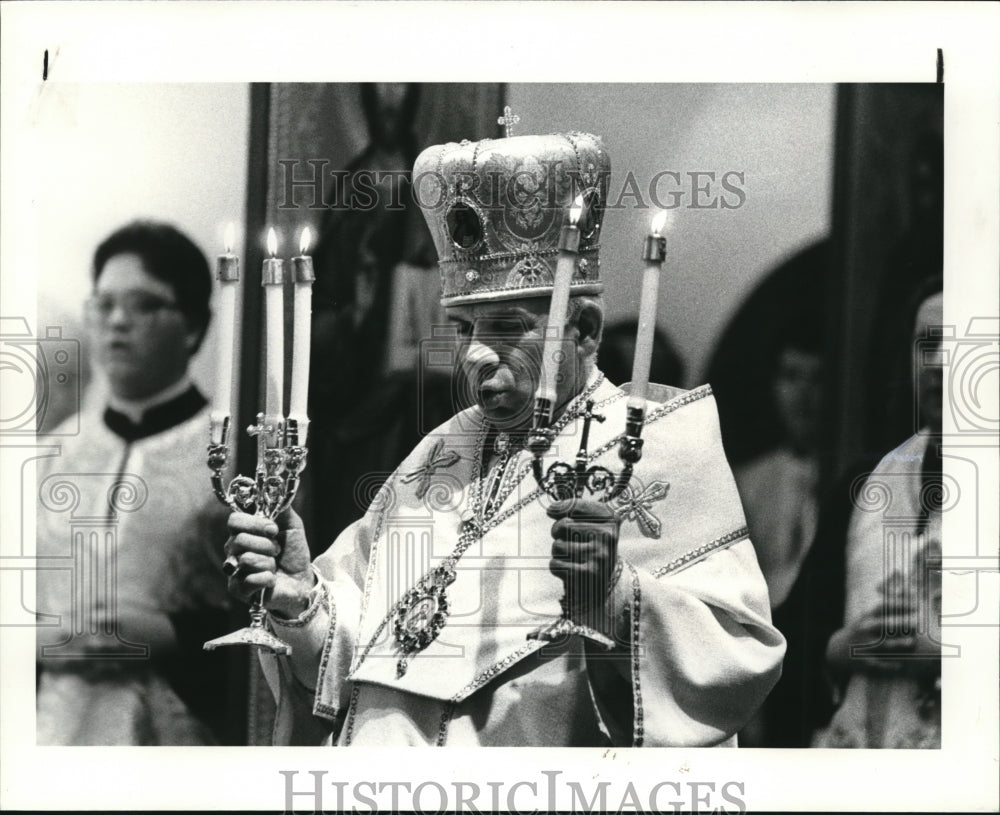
(585, 556)
(271, 555)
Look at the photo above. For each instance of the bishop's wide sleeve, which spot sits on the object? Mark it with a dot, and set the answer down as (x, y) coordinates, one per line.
(703, 652)
(309, 687)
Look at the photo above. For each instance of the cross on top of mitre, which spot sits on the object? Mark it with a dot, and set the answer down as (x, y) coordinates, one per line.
(508, 120)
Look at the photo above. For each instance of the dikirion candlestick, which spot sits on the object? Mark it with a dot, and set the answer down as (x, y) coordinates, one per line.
(563, 481)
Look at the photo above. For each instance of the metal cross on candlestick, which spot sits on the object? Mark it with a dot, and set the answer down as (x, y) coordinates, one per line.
(563, 481)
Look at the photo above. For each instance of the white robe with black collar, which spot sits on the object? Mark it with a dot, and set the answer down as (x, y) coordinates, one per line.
(129, 580)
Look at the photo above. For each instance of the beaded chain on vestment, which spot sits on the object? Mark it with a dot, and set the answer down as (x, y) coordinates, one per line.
(423, 610)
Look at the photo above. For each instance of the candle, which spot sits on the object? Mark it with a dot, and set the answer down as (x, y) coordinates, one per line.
(273, 278)
(569, 243)
(654, 253)
(303, 276)
(228, 273)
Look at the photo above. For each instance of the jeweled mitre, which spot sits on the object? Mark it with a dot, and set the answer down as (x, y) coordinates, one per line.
(495, 209)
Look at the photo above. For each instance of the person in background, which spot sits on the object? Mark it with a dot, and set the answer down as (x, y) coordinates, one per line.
(887, 654)
(779, 487)
(128, 589)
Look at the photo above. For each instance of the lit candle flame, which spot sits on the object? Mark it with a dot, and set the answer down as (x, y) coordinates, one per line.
(230, 237)
(272, 242)
(576, 210)
(659, 222)
(304, 240)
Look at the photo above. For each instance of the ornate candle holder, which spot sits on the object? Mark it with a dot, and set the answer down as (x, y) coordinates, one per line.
(280, 461)
(563, 481)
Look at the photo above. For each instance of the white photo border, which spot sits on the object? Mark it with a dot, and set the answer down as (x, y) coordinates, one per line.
(510, 42)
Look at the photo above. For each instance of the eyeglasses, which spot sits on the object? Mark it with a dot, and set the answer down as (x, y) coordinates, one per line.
(136, 304)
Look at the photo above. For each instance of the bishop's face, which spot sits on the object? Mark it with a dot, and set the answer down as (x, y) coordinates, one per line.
(500, 350)
(141, 338)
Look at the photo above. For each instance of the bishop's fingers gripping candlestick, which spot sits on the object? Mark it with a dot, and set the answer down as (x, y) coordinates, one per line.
(563, 481)
(280, 461)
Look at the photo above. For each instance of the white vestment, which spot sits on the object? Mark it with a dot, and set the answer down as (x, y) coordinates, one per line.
(699, 652)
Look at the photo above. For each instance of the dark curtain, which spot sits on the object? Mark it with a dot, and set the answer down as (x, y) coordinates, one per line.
(888, 242)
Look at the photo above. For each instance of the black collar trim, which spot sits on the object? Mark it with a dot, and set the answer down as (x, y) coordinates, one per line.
(158, 418)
